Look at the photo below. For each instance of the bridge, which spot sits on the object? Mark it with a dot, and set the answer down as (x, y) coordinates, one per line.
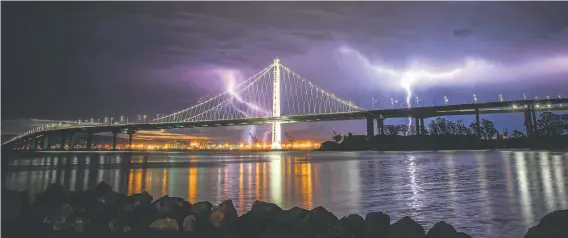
(291, 99)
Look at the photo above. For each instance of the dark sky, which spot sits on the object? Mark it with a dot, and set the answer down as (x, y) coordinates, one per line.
(70, 60)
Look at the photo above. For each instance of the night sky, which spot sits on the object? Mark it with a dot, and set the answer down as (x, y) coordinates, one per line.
(71, 60)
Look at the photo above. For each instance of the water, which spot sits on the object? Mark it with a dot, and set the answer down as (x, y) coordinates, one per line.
(484, 193)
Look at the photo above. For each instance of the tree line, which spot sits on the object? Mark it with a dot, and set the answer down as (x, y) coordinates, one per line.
(549, 124)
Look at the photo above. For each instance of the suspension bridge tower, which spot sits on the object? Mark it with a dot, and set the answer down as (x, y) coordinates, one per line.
(276, 130)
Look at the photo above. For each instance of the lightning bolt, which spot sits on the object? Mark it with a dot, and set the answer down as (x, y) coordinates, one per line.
(408, 78)
(230, 78)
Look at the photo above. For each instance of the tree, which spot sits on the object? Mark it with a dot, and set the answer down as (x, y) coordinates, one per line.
(551, 124)
(517, 134)
(473, 129)
(393, 130)
(488, 130)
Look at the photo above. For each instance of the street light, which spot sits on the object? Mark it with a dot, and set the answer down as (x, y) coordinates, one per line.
(445, 100)
(417, 100)
(474, 98)
(501, 97)
(524, 96)
(392, 103)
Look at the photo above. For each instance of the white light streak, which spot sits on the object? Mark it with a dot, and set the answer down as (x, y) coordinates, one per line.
(407, 79)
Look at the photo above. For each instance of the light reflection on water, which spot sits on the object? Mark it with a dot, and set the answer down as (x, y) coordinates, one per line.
(484, 193)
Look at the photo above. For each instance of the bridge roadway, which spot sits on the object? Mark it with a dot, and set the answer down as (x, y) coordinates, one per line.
(528, 107)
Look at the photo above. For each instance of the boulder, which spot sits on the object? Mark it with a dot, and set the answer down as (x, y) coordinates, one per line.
(52, 196)
(445, 230)
(224, 213)
(377, 224)
(406, 228)
(259, 207)
(201, 208)
(552, 225)
(188, 224)
(135, 200)
(165, 224)
(172, 207)
(322, 221)
(14, 205)
(350, 226)
(65, 217)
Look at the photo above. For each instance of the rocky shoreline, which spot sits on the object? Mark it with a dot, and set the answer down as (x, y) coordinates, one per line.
(101, 212)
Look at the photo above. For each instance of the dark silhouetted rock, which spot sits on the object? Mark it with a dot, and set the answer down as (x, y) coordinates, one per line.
(255, 222)
(350, 226)
(264, 207)
(165, 224)
(406, 228)
(377, 224)
(14, 205)
(188, 224)
(553, 225)
(322, 221)
(201, 208)
(445, 230)
(136, 200)
(172, 207)
(52, 196)
(224, 213)
(66, 217)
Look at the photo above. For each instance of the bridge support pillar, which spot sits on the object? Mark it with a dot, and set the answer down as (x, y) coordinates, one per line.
(477, 123)
(130, 137)
(534, 122)
(114, 134)
(422, 127)
(370, 128)
(63, 139)
(89, 141)
(417, 126)
(71, 141)
(380, 125)
(528, 122)
(45, 145)
(33, 144)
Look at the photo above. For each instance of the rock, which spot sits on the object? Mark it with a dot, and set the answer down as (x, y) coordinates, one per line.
(102, 188)
(350, 226)
(14, 205)
(139, 199)
(552, 225)
(377, 224)
(556, 220)
(201, 208)
(264, 207)
(406, 228)
(444, 230)
(65, 217)
(224, 213)
(322, 221)
(52, 196)
(172, 207)
(165, 224)
(188, 224)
